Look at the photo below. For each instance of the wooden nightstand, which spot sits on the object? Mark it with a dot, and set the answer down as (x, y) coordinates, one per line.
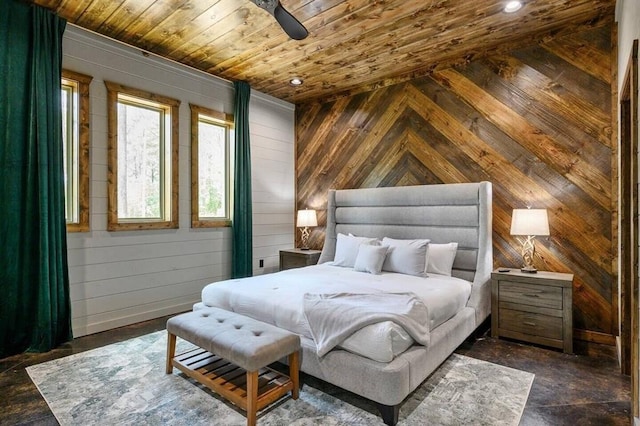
(536, 308)
(297, 258)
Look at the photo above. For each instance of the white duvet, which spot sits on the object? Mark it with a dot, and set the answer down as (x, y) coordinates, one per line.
(278, 299)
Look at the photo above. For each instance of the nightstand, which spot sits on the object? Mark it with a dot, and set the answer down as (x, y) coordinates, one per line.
(535, 308)
(297, 258)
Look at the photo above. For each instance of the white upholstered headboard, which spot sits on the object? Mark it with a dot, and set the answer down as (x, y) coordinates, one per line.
(443, 213)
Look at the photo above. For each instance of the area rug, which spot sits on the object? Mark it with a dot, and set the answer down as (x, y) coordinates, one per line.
(125, 383)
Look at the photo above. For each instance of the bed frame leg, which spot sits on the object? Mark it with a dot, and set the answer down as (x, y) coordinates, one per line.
(389, 413)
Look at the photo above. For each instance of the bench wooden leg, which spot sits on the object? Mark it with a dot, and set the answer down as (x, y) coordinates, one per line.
(294, 374)
(171, 352)
(252, 397)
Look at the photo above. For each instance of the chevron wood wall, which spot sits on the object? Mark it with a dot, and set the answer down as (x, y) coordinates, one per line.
(536, 122)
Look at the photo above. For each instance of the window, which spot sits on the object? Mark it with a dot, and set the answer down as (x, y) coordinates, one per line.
(75, 143)
(142, 174)
(210, 135)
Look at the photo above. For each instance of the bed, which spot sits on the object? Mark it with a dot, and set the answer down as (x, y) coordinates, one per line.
(442, 214)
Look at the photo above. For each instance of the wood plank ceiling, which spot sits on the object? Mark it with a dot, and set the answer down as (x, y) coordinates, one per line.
(353, 46)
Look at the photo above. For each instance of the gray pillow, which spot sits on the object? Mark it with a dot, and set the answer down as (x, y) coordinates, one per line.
(347, 249)
(370, 258)
(440, 258)
(405, 256)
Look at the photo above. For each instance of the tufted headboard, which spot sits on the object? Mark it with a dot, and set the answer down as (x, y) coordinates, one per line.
(443, 213)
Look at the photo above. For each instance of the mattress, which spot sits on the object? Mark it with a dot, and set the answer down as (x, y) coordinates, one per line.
(278, 299)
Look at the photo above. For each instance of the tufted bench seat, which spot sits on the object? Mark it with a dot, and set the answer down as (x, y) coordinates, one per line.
(231, 345)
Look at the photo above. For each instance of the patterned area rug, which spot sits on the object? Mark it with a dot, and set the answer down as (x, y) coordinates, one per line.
(125, 383)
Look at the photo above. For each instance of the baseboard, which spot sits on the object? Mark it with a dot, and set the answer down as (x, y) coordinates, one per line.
(594, 337)
(85, 329)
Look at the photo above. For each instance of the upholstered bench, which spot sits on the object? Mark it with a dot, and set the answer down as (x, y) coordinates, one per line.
(233, 355)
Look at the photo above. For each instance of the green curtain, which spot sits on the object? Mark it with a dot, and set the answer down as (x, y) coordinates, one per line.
(35, 312)
(242, 263)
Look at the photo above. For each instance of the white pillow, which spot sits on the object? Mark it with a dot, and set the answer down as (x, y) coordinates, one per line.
(347, 249)
(440, 258)
(370, 258)
(405, 256)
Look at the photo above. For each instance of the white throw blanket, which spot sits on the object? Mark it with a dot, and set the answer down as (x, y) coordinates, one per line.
(334, 317)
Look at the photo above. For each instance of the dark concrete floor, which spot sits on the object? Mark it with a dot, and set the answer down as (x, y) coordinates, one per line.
(581, 389)
(585, 388)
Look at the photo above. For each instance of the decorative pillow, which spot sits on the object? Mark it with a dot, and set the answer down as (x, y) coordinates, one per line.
(405, 256)
(440, 258)
(370, 258)
(347, 249)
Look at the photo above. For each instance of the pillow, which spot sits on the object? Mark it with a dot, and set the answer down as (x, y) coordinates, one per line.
(440, 258)
(405, 256)
(347, 249)
(370, 258)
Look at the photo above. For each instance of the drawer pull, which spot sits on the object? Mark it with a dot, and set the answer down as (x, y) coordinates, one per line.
(531, 295)
(533, 324)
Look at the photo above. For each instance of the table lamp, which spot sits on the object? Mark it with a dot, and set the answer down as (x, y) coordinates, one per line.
(529, 223)
(306, 218)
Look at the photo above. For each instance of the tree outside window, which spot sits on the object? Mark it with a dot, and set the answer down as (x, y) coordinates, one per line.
(75, 136)
(210, 145)
(143, 160)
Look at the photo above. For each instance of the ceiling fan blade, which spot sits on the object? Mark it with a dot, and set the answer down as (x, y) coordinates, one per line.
(289, 23)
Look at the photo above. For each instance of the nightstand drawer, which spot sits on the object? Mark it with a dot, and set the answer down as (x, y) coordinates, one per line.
(531, 294)
(531, 323)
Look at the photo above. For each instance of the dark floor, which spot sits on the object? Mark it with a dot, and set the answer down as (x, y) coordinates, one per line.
(581, 389)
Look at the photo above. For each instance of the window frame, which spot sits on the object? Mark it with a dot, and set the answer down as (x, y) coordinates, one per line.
(224, 120)
(172, 108)
(83, 135)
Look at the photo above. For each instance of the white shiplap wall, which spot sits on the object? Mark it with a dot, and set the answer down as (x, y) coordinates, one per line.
(119, 278)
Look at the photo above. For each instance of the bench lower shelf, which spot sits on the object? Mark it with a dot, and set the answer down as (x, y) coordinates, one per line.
(250, 391)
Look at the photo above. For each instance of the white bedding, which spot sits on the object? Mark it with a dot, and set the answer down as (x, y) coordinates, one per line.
(278, 299)
(334, 317)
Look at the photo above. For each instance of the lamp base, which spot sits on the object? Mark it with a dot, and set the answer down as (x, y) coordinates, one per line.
(528, 255)
(305, 238)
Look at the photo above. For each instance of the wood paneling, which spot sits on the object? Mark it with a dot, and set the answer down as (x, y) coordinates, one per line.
(537, 122)
(353, 46)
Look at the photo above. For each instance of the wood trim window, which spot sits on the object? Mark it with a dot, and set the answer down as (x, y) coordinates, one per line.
(76, 133)
(142, 173)
(210, 177)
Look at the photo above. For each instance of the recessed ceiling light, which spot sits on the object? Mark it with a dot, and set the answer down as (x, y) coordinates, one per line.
(295, 81)
(512, 6)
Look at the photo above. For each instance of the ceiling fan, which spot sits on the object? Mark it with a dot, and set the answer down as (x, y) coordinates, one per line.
(287, 21)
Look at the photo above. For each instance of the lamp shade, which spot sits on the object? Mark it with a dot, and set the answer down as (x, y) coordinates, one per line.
(530, 222)
(307, 218)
